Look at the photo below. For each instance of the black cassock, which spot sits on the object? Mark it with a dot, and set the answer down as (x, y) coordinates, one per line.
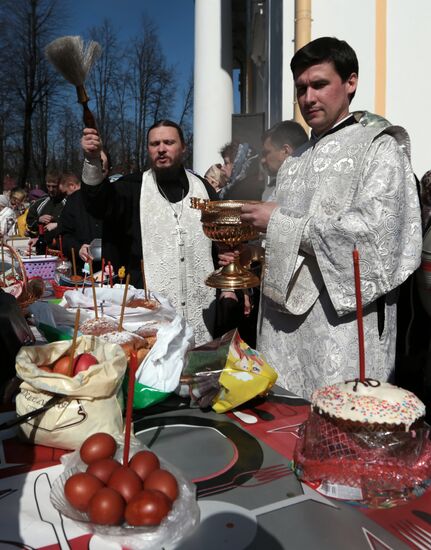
(118, 205)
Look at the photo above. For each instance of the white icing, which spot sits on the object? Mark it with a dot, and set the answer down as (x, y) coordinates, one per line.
(384, 404)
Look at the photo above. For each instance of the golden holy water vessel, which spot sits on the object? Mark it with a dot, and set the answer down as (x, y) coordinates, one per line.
(221, 221)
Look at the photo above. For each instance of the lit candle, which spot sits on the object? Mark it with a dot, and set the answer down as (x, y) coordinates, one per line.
(359, 315)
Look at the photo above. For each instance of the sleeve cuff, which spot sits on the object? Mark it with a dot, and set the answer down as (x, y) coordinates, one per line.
(92, 172)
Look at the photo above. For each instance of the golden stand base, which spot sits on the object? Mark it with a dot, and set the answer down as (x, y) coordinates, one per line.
(233, 277)
(221, 222)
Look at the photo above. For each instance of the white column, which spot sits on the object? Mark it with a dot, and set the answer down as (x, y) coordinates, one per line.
(213, 90)
(288, 51)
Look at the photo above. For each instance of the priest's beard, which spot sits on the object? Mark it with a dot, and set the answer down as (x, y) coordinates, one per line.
(167, 174)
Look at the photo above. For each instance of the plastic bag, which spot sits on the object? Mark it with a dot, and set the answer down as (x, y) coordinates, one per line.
(180, 521)
(375, 468)
(91, 404)
(225, 373)
(159, 373)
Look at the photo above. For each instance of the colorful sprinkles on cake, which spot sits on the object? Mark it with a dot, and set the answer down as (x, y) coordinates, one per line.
(382, 404)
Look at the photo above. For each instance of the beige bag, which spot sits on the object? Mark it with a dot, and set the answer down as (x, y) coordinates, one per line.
(92, 403)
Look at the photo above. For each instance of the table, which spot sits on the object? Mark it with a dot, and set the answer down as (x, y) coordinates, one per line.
(246, 491)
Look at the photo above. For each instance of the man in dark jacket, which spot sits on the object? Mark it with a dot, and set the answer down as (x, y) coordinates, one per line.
(46, 211)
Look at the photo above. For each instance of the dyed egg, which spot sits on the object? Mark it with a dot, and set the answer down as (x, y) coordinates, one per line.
(147, 508)
(83, 362)
(126, 482)
(103, 468)
(107, 507)
(61, 366)
(80, 488)
(143, 463)
(163, 481)
(97, 446)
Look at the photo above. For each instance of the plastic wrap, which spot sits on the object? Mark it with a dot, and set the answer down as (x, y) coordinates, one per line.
(374, 467)
(181, 520)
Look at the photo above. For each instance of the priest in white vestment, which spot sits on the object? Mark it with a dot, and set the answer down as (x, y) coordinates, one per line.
(148, 215)
(351, 185)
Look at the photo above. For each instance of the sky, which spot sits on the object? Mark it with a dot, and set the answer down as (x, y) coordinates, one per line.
(173, 18)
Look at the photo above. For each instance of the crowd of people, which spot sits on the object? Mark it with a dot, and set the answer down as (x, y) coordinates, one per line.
(350, 185)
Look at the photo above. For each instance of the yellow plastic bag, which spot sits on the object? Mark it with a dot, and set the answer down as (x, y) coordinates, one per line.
(245, 375)
(225, 373)
(91, 404)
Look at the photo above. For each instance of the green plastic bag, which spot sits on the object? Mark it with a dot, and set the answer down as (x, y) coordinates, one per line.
(144, 396)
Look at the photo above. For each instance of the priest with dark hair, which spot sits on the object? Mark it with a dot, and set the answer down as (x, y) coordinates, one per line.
(148, 215)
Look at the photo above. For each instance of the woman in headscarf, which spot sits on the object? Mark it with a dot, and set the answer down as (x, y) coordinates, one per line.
(242, 169)
(7, 217)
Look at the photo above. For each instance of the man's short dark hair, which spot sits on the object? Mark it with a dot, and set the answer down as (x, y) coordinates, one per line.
(326, 49)
(53, 177)
(286, 132)
(167, 122)
(229, 150)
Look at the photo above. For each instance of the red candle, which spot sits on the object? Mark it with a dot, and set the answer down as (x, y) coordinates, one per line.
(133, 366)
(110, 274)
(359, 315)
(103, 272)
(61, 246)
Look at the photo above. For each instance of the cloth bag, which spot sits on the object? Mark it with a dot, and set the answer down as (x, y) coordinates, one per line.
(92, 398)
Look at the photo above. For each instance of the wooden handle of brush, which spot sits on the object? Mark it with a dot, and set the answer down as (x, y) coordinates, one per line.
(89, 120)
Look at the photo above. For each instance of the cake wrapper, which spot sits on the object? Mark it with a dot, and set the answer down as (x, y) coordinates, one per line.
(385, 468)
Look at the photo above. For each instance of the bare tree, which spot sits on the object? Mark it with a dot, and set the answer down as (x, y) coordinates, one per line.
(186, 120)
(152, 85)
(65, 152)
(30, 24)
(40, 122)
(122, 154)
(101, 79)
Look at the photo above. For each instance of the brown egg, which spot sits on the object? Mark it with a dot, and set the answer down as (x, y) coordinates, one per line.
(97, 446)
(79, 489)
(126, 482)
(107, 507)
(103, 468)
(147, 508)
(163, 481)
(61, 366)
(143, 463)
